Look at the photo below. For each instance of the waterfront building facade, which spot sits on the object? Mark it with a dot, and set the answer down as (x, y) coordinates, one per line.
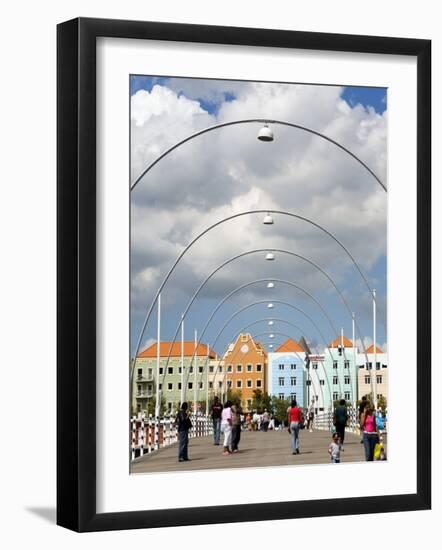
(286, 372)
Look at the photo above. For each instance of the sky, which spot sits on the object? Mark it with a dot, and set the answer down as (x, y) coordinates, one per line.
(229, 171)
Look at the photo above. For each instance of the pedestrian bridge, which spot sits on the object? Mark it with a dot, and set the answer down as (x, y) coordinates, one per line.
(256, 449)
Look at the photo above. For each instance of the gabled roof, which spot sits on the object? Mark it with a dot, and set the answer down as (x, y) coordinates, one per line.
(304, 345)
(290, 345)
(371, 349)
(245, 338)
(337, 342)
(175, 350)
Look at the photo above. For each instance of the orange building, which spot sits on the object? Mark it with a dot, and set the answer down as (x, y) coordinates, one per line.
(245, 363)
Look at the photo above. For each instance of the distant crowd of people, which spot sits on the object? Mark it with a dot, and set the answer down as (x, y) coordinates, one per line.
(229, 421)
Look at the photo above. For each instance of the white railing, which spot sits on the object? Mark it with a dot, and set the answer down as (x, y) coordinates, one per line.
(324, 421)
(148, 435)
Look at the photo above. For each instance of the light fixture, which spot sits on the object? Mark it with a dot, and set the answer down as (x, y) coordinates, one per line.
(265, 134)
(271, 323)
(270, 306)
(270, 256)
(268, 220)
(270, 345)
(271, 335)
(270, 285)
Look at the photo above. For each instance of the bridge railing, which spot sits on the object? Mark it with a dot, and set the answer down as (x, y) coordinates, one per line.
(324, 421)
(149, 434)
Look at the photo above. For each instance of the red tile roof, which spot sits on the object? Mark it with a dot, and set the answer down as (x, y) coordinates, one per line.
(290, 345)
(165, 348)
(337, 342)
(371, 349)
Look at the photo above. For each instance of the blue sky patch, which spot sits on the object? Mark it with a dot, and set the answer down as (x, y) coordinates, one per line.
(367, 97)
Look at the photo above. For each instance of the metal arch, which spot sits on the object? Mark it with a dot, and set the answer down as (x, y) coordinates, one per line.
(253, 252)
(248, 121)
(243, 309)
(233, 216)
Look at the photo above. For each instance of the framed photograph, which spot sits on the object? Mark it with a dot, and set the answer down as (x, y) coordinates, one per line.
(243, 274)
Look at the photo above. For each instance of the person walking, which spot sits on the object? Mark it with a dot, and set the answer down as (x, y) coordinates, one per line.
(265, 420)
(310, 419)
(215, 412)
(334, 449)
(340, 419)
(294, 419)
(362, 406)
(236, 426)
(371, 432)
(183, 426)
(226, 426)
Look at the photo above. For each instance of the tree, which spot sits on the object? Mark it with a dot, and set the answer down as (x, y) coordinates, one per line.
(235, 396)
(280, 407)
(261, 401)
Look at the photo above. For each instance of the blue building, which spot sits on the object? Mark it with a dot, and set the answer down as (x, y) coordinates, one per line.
(286, 372)
(341, 370)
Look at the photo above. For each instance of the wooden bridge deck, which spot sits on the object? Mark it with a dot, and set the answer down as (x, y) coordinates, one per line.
(256, 449)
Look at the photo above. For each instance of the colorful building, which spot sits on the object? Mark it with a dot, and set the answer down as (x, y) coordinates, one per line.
(286, 372)
(366, 381)
(341, 371)
(317, 390)
(245, 365)
(196, 376)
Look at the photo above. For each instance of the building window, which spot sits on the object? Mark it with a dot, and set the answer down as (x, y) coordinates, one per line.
(335, 396)
(190, 385)
(210, 385)
(160, 370)
(293, 366)
(140, 374)
(369, 366)
(160, 386)
(308, 383)
(239, 383)
(258, 383)
(200, 369)
(249, 383)
(249, 368)
(201, 386)
(180, 370)
(293, 381)
(170, 386)
(238, 368)
(179, 385)
(335, 364)
(258, 368)
(335, 380)
(322, 382)
(139, 389)
(281, 395)
(229, 368)
(346, 379)
(384, 366)
(191, 369)
(315, 366)
(139, 407)
(367, 379)
(346, 364)
(149, 387)
(379, 379)
(281, 367)
(211, 368)
(316, 398)
(293, 396)
(378, 366)
(170, 370)
(229, 383)
(347, 396)
(220, 369)
(243, 337)
(280, 381)
(379, 395)
(220, 384)
(149, 373)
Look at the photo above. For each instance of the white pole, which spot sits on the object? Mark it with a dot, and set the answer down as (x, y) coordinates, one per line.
(355, 369)
(342, 355)
(157, 403)
(375, 397)
(182, 361)
(207, 382)
(195, 368)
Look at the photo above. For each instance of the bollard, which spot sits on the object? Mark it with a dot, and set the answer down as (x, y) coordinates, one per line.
(142, 436)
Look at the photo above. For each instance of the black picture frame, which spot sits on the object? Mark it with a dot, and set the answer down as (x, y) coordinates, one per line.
(76, 273)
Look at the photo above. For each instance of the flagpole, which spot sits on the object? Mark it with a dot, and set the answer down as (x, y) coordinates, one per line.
(157, 398)
(375, 397)
(195, 368)
(182, 361)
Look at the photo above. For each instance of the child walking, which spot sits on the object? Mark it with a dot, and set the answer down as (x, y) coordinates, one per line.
(334, 449)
